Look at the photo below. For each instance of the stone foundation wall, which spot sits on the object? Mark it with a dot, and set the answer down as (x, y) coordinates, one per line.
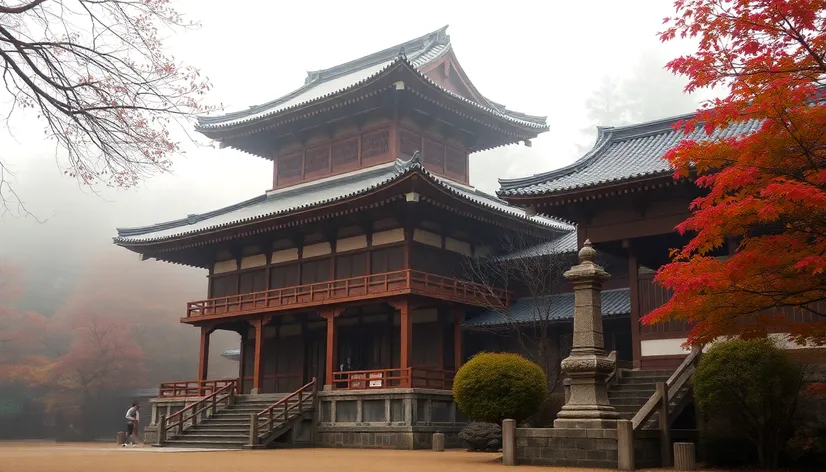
(595, 448)
(390, 418)
(373, 437)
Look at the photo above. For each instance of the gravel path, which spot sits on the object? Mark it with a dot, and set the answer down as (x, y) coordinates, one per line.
(52, 457)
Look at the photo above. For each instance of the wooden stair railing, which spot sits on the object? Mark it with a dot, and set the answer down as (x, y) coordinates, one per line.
(661, 400)
(673, 386)
(194, 411)
(263, 423)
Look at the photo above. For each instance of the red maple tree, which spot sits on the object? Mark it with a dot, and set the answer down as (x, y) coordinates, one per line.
(21, 356)
(766, 189)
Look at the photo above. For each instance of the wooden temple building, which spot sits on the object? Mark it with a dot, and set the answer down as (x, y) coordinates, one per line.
(347, 281)
(346, 276)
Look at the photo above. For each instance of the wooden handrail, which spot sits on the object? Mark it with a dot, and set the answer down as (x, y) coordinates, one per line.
(371, 379)
(192, 388)
(269, 415)
(415, 377)
(361, 286)
(195, 409)
(673, 385)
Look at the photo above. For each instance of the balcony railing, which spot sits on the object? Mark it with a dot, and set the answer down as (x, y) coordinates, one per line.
(415, 377)
(354, 288)
(193, 388)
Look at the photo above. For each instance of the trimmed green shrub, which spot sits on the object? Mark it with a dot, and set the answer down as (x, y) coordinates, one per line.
(749, 387)
(492, 387)
(482, 436)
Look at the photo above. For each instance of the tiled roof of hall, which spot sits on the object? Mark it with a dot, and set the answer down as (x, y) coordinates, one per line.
(620, 154)
(281, 202)
(325, 83)
(553, 308)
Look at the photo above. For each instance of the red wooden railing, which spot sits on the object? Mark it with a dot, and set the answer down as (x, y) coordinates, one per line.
(427, 377)
(193, 412)
(418, 377)
(366, 286)
(193, 388)
(266, 419)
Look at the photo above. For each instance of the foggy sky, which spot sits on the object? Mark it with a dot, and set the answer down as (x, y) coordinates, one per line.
(537, 57)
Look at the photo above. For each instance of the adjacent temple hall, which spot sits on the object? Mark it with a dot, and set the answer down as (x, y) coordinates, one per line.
(348, 281)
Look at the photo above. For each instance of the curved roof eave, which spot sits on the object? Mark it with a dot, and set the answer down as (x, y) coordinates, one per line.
(215, 124)
(401, 170)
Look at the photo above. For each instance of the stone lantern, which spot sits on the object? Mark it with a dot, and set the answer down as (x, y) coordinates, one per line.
(588, 367)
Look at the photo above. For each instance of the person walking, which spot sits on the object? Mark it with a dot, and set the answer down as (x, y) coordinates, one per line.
(132, 421)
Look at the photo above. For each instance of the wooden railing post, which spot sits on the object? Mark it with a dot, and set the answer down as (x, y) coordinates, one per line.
(269, 419)
(253, 429)
(665, 425)
(161, 438)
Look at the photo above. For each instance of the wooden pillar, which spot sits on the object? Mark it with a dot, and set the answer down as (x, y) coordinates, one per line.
(458, 319)
(406, 341)
(203, 360)
(259, 358)
(634, 286)
(330, 315)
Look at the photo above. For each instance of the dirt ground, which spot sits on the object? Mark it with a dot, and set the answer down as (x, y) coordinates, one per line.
(98, 457)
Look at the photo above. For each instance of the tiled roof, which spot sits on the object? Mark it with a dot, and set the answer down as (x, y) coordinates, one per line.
(553, 308)
(621, 153)
(316, 193)
(324, 83)
(563, 244)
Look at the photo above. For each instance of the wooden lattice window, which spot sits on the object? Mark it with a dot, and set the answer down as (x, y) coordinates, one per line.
(317, 159)
(289, 166)
(433, 155)
(345, 152)
(455, 161)
(375, 144)
(409, 142)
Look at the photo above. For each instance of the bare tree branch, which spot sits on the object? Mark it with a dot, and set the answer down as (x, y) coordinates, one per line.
(535, 270)
(97, 73)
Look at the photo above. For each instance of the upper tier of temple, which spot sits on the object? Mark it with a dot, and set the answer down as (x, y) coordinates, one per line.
(420, 79)
(423, 53)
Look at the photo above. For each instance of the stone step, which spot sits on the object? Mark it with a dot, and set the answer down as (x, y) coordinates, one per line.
(222, 444)
(640, 381)
(211, 427)
(214, 437)
(263, 397)
(644, 373)
(616, 403)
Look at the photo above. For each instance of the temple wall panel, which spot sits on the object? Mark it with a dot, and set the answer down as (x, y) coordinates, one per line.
(351, 243)
(257, 260)
(455, 245)
(225, 266)
(426, 237)
(388, 237)
(315, 250)
(285, 255)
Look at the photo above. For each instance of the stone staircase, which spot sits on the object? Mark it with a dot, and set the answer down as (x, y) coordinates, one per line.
(228, 428)
(633, 388)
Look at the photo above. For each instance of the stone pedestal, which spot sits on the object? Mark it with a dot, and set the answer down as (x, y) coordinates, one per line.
(588, 367)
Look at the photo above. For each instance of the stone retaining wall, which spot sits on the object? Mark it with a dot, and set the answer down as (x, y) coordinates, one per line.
(389, 418)
(582, 447)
